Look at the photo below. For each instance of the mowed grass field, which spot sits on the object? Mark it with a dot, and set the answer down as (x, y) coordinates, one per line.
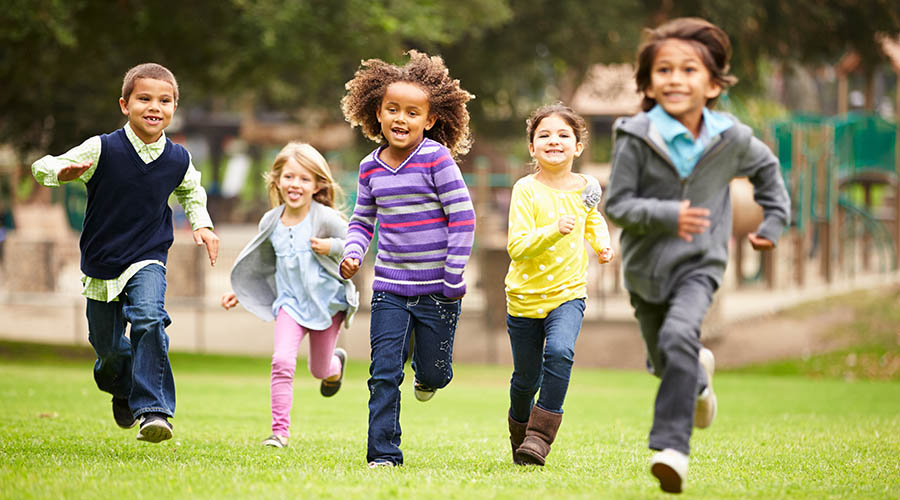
(776, 436)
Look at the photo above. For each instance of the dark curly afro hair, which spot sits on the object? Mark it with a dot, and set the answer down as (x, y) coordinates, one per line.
(447, 101)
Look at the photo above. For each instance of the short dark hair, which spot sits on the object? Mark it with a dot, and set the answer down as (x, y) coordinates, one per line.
(579, 126)
(709, 40)
(147, 70)
(446, 99)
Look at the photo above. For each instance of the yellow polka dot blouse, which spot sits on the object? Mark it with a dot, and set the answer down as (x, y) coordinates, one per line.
(548, 268)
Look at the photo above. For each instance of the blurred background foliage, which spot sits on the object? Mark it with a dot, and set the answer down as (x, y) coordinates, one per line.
(61, 61)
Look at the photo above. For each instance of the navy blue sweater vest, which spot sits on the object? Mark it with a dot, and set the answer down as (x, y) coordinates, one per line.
(128, 218)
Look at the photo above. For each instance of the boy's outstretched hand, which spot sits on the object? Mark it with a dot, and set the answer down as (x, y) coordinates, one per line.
(607, 255)
(73, 171)
(229, 300)
(349, 268)
(760, 243)
(691, 220)
(205, 236)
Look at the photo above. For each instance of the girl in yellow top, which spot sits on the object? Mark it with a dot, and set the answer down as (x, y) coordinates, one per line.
(551, 213)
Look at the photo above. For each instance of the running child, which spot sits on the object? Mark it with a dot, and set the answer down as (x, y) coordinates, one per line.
(551, 213)
(411, 186)
(290, 272)
(125, 240)
(669, 192)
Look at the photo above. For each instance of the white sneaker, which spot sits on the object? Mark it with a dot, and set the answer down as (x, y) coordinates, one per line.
(705, 411)
(378, 464)
(276, 441)
(670, 467)
(423, 392)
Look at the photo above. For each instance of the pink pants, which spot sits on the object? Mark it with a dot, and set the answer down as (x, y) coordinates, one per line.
(322, 363)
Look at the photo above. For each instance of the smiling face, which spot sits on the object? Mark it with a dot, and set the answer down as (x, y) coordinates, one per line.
(297, 186)
(404, 116)
(681, 83)
(555, 145)
(149, 108)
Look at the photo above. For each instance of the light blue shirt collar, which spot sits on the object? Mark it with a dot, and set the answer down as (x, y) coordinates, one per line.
(669, 128)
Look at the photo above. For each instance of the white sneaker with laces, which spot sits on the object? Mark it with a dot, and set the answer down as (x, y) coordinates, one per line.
(670, 468)
(705, 411)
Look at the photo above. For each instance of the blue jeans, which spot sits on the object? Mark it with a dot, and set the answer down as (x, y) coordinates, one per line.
(433, 318)
(543, 351)
(136, 369)
(671, 332)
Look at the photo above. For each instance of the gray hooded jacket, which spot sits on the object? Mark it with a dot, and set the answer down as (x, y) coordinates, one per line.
(253, 274)
(645, 193)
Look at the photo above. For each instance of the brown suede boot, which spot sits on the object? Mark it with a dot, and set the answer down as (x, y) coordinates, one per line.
(516, 436)
(539, 435)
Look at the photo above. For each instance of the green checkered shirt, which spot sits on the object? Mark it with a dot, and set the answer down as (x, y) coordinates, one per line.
(190, 195)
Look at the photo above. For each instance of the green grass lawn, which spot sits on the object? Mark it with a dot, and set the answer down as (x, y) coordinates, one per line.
(775, 437)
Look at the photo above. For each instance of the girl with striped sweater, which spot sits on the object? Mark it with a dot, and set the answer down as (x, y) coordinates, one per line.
(412, 188)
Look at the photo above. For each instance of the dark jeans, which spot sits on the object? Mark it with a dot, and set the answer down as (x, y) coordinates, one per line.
(543, 351)
(433, 318)
(137, 369)
(671, 333)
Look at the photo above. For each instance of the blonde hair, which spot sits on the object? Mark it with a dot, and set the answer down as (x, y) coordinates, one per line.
(329, 192)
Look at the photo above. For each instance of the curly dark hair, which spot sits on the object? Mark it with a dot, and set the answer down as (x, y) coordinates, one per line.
(446, 99)
(709, 40)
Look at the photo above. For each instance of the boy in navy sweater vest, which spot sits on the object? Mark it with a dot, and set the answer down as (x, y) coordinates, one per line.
(130, 174)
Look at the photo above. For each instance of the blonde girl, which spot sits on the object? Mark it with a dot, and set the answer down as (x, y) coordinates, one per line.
(289, 272)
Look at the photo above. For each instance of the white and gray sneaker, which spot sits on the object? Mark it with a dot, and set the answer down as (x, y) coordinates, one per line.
(155, 427)
(705, 411)
(670, 468)
(276, 441)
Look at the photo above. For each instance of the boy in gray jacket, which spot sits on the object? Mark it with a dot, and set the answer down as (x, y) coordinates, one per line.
(669, 192)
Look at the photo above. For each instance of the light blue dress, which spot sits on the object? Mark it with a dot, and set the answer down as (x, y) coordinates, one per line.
(306, 291)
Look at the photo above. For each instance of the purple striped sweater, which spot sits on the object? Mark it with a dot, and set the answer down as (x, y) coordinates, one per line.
(425, 218)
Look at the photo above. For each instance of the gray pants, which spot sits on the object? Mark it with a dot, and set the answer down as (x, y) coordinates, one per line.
(671, 332)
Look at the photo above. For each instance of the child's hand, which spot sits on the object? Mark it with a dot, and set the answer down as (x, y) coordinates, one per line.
(607, 255)
(320, 245)
(204, 236)
(691, 220)
(760, 243)
(229, 300)
(349, 268)
(566, 224)
(73, 171)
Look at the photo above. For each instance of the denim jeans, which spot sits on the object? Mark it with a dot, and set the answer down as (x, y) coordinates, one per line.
(137, 369)
(543, 351)
(433, 318)
(671, 333)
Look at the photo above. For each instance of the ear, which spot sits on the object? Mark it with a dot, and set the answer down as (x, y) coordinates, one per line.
(432, 119)
(531, 149)
(649, 92)
(579, 148)
(123, 105)
(714, 90)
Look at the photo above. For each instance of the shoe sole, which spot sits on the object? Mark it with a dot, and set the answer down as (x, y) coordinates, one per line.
(669, 480)
(710, 367)
(527, 458)
(154, 433)
(330, 388)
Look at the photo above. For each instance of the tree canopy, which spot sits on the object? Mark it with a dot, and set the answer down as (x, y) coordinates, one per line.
(62, 61)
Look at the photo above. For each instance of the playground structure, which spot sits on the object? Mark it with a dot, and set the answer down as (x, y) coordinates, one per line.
(842, 174)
